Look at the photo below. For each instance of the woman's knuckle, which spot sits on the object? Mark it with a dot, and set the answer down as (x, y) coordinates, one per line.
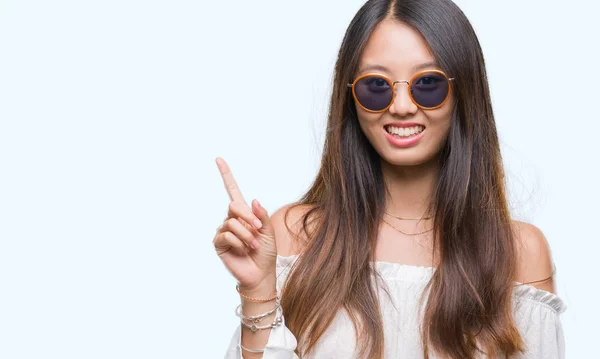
(230, 222)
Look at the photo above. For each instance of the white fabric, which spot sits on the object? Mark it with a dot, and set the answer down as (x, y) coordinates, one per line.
(536, 314)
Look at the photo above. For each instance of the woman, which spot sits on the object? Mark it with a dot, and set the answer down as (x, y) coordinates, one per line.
(404, 246)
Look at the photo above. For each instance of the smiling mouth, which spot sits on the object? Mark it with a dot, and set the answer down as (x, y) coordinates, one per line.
(404, 132)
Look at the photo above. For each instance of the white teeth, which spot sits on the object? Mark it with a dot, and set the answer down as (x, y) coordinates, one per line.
(404, 132)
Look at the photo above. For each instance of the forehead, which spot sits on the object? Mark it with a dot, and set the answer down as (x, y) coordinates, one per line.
(396, 47)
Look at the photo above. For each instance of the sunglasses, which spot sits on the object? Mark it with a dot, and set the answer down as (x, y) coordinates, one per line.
(427, 89)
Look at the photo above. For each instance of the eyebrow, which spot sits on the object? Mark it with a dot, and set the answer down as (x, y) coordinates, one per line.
(385, 69)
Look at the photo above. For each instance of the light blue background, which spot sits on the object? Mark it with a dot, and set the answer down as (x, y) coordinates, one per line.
(112, 113)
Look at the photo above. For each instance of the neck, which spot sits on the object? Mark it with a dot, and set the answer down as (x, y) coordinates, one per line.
(410, 188)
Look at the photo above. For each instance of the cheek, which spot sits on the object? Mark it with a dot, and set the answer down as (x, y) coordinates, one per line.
(368, 121)
(441, 119)
(441, 123)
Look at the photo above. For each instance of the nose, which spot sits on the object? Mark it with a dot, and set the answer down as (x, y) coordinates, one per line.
(403, 105)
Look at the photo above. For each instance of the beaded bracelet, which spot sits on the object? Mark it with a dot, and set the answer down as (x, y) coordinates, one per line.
(278, 320)
(256, 318)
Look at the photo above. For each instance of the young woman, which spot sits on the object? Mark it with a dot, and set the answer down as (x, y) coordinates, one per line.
(404, 246)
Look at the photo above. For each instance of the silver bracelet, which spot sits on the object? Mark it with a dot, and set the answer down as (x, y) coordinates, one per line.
(278, 320)
(256, 318)
(252, 350)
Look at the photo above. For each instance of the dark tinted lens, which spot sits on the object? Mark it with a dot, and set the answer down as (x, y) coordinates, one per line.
(373, 93)
(429, 89)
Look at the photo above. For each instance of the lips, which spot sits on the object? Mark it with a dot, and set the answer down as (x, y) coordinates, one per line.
(404, 131)
(405, 139)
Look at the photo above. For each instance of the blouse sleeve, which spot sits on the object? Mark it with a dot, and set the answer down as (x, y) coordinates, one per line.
(537, 313)
(280, 345)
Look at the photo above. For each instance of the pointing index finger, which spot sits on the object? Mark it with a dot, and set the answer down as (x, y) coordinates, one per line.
(230, 184)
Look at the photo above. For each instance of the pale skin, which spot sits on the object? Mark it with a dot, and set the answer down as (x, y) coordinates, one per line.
(249, 252)
(409, 174)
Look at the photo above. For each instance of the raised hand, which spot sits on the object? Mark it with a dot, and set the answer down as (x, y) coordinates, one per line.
(245, 241)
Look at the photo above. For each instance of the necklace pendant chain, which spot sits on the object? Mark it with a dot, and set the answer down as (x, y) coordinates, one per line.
(408, 234)
(407, 219)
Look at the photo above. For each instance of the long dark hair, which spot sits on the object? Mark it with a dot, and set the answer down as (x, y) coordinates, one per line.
(468, 308)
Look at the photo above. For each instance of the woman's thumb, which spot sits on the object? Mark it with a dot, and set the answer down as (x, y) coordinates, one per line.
(263, 215)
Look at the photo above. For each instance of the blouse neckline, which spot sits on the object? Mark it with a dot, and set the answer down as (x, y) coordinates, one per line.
(391, 271)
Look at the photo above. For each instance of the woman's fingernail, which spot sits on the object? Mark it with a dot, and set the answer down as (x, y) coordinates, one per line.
(254, 244)
(257, 224)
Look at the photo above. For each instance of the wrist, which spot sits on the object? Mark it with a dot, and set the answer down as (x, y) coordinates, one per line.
(264, 289)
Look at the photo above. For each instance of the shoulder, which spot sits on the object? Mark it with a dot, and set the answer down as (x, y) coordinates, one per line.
(534, 260)
(287, 223)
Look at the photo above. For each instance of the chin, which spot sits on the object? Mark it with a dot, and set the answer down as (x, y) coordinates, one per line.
(405, 162)
(418, 158)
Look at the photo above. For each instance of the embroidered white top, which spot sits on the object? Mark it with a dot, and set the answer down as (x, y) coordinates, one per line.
(536, 312)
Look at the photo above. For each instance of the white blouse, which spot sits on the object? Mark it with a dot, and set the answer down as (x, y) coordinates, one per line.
(536, 312)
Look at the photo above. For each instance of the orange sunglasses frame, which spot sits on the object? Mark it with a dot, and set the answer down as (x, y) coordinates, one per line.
(389, 81)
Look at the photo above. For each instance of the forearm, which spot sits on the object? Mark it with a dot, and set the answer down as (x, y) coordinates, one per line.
(259, 338)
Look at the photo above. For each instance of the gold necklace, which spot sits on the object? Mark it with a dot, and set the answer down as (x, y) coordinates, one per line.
(408, 234)
(407, 219)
